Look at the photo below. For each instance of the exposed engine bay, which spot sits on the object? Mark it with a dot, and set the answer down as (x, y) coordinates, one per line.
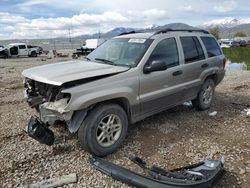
(50, 103)
(38, 93)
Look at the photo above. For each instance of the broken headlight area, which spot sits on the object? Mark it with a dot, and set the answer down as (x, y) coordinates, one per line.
(37, 93)
(50, 103)
(201, 175)
(48, 100)
(50, 112)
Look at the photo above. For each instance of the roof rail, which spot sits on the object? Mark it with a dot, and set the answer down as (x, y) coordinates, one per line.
(126, 33)
(188, 30)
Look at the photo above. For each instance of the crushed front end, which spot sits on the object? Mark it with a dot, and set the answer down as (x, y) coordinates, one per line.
(50, 103)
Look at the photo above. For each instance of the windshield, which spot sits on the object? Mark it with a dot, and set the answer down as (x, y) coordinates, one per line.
(123, 52)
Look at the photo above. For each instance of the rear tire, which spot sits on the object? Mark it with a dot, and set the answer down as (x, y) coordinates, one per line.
(104, 129)
(205, 95)
(33, 54)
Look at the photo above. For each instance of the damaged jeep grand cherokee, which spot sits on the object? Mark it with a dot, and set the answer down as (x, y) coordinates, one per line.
(125, 80)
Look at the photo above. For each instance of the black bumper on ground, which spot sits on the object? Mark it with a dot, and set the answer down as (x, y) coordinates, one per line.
(202, 175)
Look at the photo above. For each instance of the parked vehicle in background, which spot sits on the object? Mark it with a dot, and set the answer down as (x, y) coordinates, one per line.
(248, 44)
(90, 45)
(18, 49)
(123, 81)
(93, 43)
(243, 43)
(4, 53)
(235, 44)
(39, 49)
(1, 47)
(226, 44)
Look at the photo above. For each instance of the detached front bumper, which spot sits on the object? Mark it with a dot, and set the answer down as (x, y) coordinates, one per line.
(202, 175)
(39, 131)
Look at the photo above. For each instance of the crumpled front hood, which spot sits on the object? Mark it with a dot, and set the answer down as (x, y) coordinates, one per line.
(60, 73)
(2, 49)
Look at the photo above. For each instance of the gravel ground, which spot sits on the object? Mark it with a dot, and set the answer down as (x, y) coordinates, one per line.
(171, 139)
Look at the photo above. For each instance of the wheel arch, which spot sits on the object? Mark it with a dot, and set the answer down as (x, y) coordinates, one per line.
(121, 101)
(214, 77)
(80, 115)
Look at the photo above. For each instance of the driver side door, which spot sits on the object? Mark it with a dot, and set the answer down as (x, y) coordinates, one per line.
(161, 90)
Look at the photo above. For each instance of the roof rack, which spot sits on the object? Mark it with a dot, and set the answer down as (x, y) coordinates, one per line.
(126, 33)
(188, 30)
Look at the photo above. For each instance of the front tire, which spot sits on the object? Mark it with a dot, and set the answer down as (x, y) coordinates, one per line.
(104, 129)
(205, 95)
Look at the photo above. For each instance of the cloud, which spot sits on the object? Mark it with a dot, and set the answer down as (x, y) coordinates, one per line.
(6, 17)
(54, 18)
(80, 24)
(226, 6)
(185, 8)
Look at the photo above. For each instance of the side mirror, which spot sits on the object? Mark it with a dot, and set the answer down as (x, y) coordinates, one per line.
(156, 65)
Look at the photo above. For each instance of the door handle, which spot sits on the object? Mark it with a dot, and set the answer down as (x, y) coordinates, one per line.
(204, 65)
(176, 73)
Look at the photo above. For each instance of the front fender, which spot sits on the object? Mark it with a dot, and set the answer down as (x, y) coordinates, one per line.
(84, 101)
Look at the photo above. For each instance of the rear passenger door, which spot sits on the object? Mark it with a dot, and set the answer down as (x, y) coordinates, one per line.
(193, 65)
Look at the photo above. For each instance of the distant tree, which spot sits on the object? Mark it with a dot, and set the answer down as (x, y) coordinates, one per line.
(215, 32)
(240, 34)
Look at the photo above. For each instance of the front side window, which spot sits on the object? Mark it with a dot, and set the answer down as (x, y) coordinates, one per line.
(121, 52)
(166, 51)
(211, 46)
(22, 47)
(192, 49)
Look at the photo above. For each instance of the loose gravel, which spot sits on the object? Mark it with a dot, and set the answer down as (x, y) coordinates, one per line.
(171, 139)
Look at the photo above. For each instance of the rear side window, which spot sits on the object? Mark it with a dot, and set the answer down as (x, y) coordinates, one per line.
(212, 46)
(22, 46)
(166, 50)
(192, 49)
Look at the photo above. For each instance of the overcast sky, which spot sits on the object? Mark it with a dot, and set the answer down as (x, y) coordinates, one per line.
(54, 18)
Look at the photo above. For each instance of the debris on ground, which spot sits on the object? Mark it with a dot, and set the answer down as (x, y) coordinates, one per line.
(171, 139)
(214, 113)
(248, 112)
(203, 174)
(188, 104)
(54, 182)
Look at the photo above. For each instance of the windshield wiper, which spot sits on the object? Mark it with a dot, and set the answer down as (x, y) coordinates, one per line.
(105, 61)
(87, 58)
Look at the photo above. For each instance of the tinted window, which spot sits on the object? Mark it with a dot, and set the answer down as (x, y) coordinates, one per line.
(212, 46)
(167, 51)
(192, 49)
(22, 46)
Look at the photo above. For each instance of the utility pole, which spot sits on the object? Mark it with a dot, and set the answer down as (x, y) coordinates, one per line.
(69, 35)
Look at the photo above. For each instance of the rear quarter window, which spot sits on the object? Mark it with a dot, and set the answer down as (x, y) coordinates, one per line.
(211, 46)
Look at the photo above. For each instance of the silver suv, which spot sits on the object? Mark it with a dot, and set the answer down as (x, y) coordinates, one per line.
(125, 80)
